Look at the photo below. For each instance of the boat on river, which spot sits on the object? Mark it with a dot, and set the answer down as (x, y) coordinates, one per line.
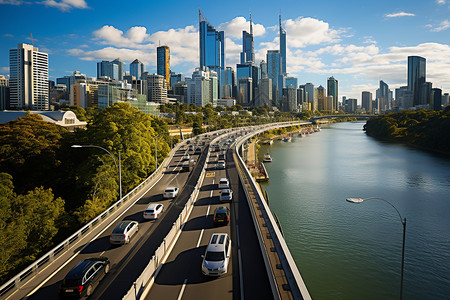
(267, 157)
(287, 139)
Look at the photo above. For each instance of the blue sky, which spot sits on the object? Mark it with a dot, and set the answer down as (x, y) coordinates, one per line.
(357, 42)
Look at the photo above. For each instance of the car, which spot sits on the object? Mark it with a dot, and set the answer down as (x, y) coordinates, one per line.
(153, 211)
(123, 232)
(221, 216)
(170, 192)
(220, 165)
(217, 255)
(226, 195)
(80, 281)
(223, 183)
(222, 156)
(185, 157)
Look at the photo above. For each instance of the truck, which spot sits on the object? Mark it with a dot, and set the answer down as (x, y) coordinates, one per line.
(188, 165)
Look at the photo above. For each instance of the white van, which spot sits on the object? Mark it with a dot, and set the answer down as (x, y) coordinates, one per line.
(217, 255)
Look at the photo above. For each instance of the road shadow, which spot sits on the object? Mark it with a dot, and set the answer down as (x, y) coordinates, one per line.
(209, 187)
(98, 245)
(137, 216)
(198, 223)
(47, 292)
(151, 199)
(207, 201)
(175, 272)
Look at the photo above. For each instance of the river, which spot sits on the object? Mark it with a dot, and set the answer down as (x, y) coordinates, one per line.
(353, 251)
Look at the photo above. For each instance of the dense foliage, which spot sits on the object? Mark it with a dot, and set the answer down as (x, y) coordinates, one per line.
(39, 169)
(424, 128)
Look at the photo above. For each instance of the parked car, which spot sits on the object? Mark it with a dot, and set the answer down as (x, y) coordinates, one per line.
(153, 211)
(220, 165)
(217, 255)
(221, 216)
(224, 183)
(80, 281)
(170, 192)
(123, 232)
(226, 195)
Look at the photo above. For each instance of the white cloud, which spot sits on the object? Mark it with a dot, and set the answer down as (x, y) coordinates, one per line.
(65, 5)
(14, 2)
(235, 27)
(310, 31)
(400, 14)
(112, 36)
(440, 2)
(4, 69)
(444, 25)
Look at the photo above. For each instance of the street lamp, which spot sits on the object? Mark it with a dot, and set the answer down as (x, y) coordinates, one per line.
(402, 220)
(117, 166)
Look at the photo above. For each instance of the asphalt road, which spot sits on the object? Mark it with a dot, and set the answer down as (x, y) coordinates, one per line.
(181, 276)
(128, 261)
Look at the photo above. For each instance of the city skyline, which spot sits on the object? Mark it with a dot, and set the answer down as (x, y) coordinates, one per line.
(333, 41)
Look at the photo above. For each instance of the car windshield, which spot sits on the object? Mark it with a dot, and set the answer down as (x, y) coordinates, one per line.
(214, 256)
(225, 193)
(169, 190)
(221, 215)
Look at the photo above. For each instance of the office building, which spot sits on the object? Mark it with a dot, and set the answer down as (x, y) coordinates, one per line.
(333, 90)
(264, 93)
(4, 81)
(28, 78)
(163, 63)
(291, 81)
(212, 48)
(137, 69)
(175, 78)
(273, 72)
(263, 67)
(417, 79)
(248, 46)
(311, 96)
(366, 101)
(282, 49)
(383, 104)
(321, 99)
(202, 88)
(107, 69)
(404, 97)
(245, 91)
(436, 99)
(445, 100)
(157, 90)
(289, 102)
(229, 83)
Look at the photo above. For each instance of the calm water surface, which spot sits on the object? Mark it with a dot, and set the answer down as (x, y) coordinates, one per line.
(353, 251)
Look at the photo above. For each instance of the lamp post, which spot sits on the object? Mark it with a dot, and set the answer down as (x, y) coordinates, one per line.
(402, 220)
(117, 166)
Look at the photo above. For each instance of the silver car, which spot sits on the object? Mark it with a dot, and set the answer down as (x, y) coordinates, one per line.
(226, 195)
(123, 232)
(217, 255)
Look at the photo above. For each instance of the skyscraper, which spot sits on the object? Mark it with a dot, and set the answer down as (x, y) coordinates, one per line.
(120, 68)
(333, 90)
(137, 69)
(163, 63)
(28, 78)
(108, 69)
(417, 78)
(248, 46)
(383, 97)
(282, 49)
(212, 48)
(273, 71)
(366, 101)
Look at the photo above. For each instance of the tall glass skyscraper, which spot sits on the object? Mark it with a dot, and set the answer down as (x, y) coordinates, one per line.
(248, 46)
(282, 49)
(417, 78)
(273, 71)
(333, 90)
(137, 69)
(163, 63)
(212, 48)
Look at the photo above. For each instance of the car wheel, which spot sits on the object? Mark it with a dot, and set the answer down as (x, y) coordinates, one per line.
(107, 268)
(89, 290)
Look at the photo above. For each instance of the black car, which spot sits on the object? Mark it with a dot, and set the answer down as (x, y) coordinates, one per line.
(221, 216)
(80, 281)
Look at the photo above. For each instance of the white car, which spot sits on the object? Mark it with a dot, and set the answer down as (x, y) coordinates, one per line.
(170, 192)
(226, 195)
(217, 255)
(123, 232)
(185, 157)
(153, 211)
(220, 165)
(224, 183)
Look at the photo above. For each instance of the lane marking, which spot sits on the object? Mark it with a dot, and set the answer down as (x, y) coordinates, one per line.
(211, 194)
(200, 238)
(182, 290)
(207, 212)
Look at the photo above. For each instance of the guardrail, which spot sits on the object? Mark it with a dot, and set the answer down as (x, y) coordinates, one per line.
(284, 277)
(17, 281)
(151, 271)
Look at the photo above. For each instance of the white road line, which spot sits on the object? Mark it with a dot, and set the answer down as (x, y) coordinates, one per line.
(210, 195)
(200, 238)
(207, 212)
(102, 253)
(182, 290)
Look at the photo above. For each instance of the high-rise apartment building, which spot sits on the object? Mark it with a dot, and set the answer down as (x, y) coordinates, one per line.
(417, 79)
(157, 90)
(137, 69)
(212, 48)
(248, 46)
(321, 98)
(163, 63)
(436, 99)
(28, 78)
(289, 102)
(282, 49)
(333, 90)
(312, 96)
(202, 88)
